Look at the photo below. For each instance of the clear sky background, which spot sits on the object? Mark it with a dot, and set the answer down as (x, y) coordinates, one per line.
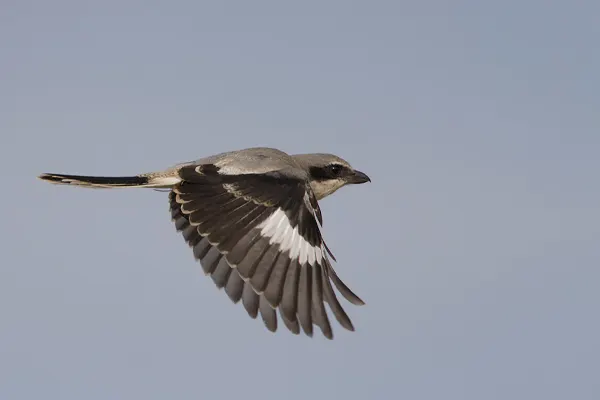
(476, 246)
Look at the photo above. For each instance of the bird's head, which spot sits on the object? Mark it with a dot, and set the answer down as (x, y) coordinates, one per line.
(327, 173)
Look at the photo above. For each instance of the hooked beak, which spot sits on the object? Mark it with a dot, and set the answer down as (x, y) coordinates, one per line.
(358, 177)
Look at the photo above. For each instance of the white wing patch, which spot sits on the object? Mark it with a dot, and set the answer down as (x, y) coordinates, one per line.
(279, 228)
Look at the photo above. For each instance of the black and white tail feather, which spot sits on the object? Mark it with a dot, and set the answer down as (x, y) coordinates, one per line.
(109, 182)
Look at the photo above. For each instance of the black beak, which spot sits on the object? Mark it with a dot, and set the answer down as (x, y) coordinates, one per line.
(358, 177)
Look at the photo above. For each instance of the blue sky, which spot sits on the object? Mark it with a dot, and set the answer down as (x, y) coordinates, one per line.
(475, 247)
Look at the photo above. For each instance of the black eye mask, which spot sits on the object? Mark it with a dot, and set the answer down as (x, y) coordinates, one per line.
(330, 171)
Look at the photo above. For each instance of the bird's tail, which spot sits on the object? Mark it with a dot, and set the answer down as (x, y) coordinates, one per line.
(108, 182)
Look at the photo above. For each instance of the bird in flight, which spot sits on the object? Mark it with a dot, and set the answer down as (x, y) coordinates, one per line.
(252, 219)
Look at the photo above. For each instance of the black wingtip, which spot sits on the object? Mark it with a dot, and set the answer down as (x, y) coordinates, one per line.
(346, 292)
(329, 251)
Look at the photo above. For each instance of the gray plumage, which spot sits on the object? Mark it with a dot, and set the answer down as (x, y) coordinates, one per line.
(251, 218)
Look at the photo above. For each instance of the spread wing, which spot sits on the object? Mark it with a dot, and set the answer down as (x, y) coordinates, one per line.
(257, 236)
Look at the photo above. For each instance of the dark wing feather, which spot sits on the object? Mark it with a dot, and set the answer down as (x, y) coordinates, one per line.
(268, 314)
(318, 307)
(250, 301)
(258, 237)
(234, 286)
(305, 300)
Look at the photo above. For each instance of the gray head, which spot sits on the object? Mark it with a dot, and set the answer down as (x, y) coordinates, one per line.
(328, 173)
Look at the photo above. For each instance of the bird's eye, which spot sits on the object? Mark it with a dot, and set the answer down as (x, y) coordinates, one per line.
(335, 169)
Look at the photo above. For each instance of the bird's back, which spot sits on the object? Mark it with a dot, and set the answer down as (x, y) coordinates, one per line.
(254, 160)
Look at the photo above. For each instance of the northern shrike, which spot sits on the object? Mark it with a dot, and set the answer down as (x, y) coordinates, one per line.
(252, 219)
